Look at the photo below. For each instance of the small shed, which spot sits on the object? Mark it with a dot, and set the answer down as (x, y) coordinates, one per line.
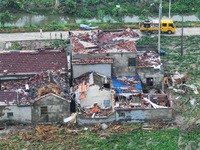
(50, 108)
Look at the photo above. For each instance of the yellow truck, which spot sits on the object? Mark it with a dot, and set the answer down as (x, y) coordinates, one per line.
(152, 26)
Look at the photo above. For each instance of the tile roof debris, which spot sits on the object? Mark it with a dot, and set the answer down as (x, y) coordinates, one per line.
(98, 42)
(32, 62)
(93, 61)
(8, 98)
(38, 85)
(149, 59)
(127, 84)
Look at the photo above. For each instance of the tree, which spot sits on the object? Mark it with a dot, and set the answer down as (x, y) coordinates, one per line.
(5, 17)
(13, 4)
(69, 7)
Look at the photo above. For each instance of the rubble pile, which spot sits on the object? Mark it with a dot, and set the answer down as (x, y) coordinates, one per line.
(148, 59)
(96, 112)
(96, 42)
(38, 85)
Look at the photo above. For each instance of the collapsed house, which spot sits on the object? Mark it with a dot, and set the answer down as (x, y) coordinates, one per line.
(93, 94)
(39, 85)
(132, 73)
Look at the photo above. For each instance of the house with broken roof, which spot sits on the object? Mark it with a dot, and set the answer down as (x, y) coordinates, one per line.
(46, 101)
(131, 73)
(39, 85)
(104, 52)
(149, 70)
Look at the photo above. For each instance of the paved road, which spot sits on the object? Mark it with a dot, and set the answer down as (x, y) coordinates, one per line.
(32, 36)
(186, 32)
(4, 37)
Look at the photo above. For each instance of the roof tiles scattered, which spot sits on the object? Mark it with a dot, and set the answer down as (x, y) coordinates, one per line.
(98, 42)
(148, 59)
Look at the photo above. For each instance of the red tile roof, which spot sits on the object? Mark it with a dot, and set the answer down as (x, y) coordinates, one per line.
(8, 98)
(32, 62)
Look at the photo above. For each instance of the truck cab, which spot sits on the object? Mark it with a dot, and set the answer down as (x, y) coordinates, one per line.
(167, 25)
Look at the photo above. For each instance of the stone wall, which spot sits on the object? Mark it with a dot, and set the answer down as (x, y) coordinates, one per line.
(150, 72)
(57, 109)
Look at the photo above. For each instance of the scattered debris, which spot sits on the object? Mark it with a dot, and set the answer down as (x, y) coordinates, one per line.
(39, 85)
(149, 59)
(104, 126)
(71, 118)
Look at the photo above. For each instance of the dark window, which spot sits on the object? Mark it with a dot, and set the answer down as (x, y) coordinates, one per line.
(147, 25)
(121, 114)
(9, 114)
(171, 25)
(164, 24)
(44, 110)
(106, 85)
(149, 81)
(107, 103)
(131, 62)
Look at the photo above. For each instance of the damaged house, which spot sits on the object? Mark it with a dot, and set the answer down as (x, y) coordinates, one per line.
(104, 52)
(149, 70)
(38, 82)
(113, 54)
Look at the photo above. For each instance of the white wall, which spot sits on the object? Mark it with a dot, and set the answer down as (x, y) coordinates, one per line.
(94, 95)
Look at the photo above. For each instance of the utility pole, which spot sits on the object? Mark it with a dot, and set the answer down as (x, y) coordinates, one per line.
(182, 38)
(169, 8)
(161, 9)
(160, 17)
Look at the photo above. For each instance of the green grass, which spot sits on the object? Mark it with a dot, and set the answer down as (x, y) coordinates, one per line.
(163, 139)
(125, 140)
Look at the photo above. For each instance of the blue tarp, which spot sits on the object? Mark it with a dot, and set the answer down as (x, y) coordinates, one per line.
(117, 84)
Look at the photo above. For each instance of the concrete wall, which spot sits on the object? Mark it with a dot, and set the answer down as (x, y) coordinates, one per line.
(79, 69)
(29, 44)
(164, 114)
(84, 121)
(57, 109)
(20, 114)
(94, 95)
(120, 64)
(130, 115)
(142, 115)
(156, 74)
(134, 115)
